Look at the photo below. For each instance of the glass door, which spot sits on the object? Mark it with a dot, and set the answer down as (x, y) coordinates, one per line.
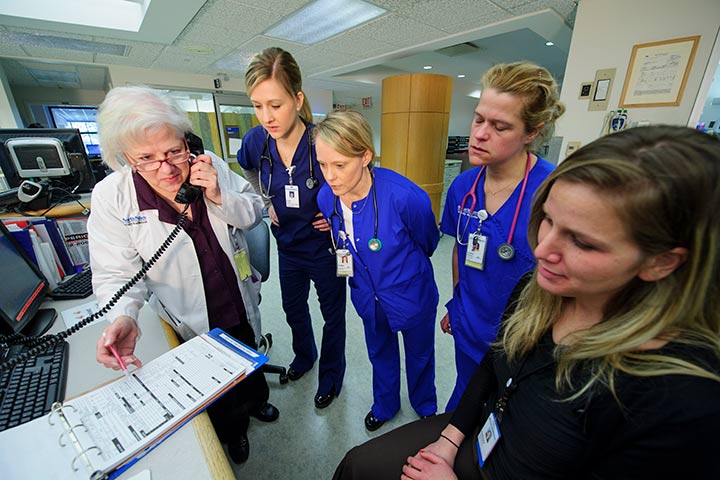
(235, 118)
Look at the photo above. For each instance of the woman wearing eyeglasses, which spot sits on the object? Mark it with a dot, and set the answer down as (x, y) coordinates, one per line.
(280, 161)
(200, 281)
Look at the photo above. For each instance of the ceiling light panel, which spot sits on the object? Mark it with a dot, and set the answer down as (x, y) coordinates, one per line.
(323, 19)
(49, 41)
(115, 14)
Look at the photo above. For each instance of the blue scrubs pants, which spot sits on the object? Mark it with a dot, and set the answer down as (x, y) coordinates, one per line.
(465, 366)
(295, 276)
(384, 352)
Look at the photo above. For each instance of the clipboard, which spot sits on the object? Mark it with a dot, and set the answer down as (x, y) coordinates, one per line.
(101, 433)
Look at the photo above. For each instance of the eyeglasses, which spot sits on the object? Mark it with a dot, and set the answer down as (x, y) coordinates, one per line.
(175, 157)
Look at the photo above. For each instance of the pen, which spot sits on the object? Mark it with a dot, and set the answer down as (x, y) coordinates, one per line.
(120, 361)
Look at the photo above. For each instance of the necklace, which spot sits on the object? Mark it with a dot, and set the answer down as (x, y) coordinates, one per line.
(492, 194)
(361, 208)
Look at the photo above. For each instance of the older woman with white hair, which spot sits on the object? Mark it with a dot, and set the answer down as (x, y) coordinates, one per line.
(202, 280)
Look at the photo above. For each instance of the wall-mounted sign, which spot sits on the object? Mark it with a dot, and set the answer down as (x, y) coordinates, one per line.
(367, 102)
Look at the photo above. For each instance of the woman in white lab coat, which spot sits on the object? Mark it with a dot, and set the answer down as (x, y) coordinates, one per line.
(203, 278)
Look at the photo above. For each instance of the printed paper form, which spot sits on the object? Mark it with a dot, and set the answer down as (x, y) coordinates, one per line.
(133, 412)
(118, 421)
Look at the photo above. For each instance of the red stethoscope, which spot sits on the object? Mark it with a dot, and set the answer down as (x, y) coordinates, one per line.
(505, 251)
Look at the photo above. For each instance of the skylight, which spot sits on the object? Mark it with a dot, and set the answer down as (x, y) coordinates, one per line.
(116, 14)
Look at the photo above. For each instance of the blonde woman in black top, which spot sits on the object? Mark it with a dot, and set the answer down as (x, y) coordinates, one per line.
(609, 367)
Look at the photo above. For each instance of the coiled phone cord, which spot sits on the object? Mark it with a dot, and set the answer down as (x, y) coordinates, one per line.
(39, 344)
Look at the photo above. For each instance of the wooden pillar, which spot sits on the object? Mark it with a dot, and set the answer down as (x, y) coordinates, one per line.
(415, 118)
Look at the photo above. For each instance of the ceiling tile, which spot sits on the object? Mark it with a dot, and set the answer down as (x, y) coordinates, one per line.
(229, 16)
(205, 33)
(399, 30)
(60, 54)
(467, 26)
(442, 13)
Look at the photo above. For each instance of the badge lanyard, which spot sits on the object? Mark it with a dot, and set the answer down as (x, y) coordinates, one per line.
(505, 251)
(311, 182)
(374, 244)
(490, 431)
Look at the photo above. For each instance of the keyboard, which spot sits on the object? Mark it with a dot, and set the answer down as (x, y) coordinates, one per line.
(29, 390)
(77, 286)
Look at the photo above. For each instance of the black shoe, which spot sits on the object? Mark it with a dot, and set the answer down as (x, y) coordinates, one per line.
(372, 423)
(239, 450)
(294, 374)
(322, 401)
(266, 413)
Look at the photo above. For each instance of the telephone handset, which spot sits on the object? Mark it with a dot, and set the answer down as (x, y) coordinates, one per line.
(188, 193)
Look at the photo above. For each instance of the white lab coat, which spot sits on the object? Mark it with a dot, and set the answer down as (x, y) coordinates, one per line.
(122, 238)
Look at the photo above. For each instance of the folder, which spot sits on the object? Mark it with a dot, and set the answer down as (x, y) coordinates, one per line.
(58, 243)
(103, 432)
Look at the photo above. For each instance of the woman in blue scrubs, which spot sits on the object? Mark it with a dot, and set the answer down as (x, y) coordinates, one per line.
(488, 207)
(280, 162)
(384, 231)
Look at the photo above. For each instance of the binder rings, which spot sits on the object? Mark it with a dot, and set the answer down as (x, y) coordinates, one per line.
(101, 433)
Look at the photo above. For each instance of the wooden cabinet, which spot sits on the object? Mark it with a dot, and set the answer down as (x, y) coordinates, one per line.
(415, 118)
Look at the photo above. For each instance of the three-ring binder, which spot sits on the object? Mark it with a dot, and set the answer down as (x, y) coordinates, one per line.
(69, 430)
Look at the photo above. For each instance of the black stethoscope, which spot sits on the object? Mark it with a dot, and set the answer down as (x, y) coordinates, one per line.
(505, 251)
(374, 244)
(311, 182)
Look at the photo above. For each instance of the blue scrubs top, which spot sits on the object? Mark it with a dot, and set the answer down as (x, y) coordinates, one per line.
(295, 235)
(480, 296)
(399, 275)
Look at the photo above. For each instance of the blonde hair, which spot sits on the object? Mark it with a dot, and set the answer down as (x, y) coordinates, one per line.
(664, 183)
(276, 63)
(348, 133)
(538, 89)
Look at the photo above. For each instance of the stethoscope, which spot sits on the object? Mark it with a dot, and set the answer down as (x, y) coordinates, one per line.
(505, 251)
(311, 182)
(374, 244)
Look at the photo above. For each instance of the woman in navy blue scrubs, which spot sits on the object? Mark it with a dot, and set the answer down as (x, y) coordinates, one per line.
(279, 160)
(385, 232)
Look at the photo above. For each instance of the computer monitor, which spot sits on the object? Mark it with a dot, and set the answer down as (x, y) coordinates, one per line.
(21, 297)
(38, 157)
(81, 176)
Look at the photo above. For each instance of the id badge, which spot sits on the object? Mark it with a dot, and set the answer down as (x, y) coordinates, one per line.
(475, 256)
(344, 261)
(292, 196)
(242, 262)
(487, 438)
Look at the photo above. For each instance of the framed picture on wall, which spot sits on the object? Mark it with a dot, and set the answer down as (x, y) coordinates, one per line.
(657, 73)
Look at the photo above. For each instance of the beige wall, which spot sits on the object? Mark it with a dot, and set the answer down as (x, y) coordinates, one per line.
(604, 35)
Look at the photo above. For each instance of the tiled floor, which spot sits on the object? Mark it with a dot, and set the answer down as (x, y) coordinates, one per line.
(306, 443)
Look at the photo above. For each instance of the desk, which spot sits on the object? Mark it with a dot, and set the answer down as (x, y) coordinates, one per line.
(192, 452)
(67, 209)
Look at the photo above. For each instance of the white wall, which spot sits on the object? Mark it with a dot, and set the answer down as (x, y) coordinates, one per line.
(9, 117)
(603, 37)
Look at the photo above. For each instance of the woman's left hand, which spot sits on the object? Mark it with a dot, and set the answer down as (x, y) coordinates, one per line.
(203, 174)
(320, 223)
(427, 466)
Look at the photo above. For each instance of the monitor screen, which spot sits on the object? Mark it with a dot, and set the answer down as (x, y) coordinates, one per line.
(38, 157)
(20, 299)
(81, 173)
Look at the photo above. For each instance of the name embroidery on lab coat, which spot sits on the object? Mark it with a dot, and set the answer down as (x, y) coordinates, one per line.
(136, 220)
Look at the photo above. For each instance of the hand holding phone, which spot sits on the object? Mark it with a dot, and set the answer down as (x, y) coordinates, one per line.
(188, 193)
